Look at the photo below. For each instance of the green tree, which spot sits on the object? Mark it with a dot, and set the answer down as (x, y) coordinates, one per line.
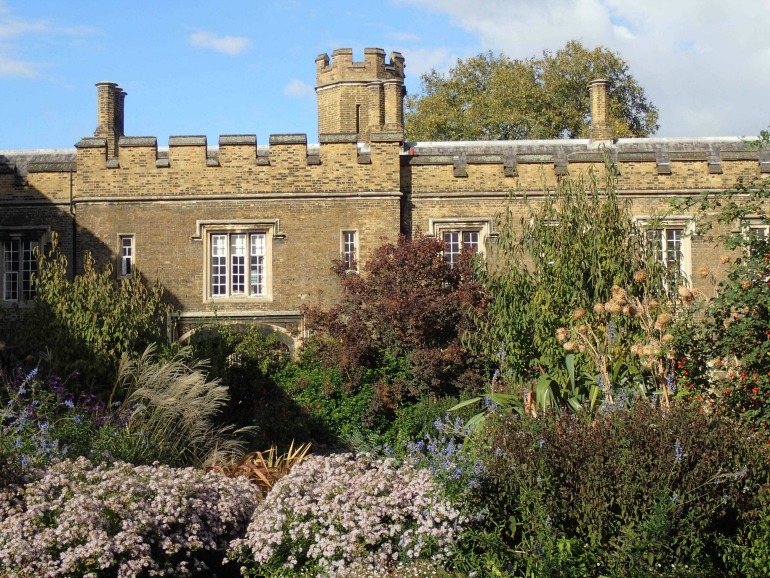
(494, 97)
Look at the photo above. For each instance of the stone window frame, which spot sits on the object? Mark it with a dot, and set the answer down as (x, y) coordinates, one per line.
(37, 238)
(126, 263)
(754, 223)
(350, 258)
(483, 226)
(206, 230)
(664, 225)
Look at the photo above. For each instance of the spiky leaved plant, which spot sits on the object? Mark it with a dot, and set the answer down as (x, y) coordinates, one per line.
(264, 468)
(172, 406)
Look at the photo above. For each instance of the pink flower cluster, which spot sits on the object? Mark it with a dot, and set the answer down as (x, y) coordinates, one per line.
(90, 521)
(340, 514)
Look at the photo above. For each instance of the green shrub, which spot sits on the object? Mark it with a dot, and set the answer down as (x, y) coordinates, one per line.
(335, 413)
(85, 325)
(750, 554)
(537, 279)
(254, 366)
(636, 492)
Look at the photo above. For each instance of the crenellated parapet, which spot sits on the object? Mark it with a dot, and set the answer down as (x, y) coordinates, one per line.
(342, 67)
(238, 165)
(648, 166)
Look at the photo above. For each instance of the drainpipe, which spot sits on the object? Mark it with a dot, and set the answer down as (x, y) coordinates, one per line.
(74, 229)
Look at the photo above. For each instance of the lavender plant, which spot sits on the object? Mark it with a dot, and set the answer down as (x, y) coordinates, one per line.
(446, 456)
(41, 422)
(84, 521)
(341, 514)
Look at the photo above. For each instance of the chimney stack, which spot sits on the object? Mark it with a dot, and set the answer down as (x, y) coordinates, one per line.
(601, 130)
(109, 113)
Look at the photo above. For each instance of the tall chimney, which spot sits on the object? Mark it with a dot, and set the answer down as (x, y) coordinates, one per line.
(109, 114)
(601, 130)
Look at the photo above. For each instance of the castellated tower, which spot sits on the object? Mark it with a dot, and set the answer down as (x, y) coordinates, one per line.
(360, 98)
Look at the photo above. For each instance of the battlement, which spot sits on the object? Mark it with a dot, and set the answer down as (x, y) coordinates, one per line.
(339, 164)
(374, 67)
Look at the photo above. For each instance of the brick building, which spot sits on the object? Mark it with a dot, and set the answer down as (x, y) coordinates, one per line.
(247, 231)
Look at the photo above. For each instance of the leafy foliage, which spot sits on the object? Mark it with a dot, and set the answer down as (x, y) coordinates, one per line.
(490, 97)
(724, 352)
(399, 325)
(565, 256)
(636, 492)
(86, 324)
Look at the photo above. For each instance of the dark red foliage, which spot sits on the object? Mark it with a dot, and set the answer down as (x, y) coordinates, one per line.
(401, 322)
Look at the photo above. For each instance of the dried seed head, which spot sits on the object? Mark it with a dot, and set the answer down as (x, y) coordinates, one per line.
(684, 292)
(703, 272)
(562, 334)
(618, 292)
(636, 349)
(599, 308)
(746, 284)
(629, 310)
(570, 346)
(583, 329)
(724, 259)
(652, 303)
(640, 276)
(667, 338)
(663, 320)
(578, 314)
(613, 308)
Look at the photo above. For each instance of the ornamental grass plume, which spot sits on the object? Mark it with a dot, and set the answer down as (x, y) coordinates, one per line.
(121, 520)
(174, 408)
(334, 514)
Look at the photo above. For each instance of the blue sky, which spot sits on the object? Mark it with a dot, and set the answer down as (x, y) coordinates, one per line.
(247, 66)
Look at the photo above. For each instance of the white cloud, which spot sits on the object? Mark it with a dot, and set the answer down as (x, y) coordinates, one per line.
(623, 32)
(18, 68)
(231, 45)
(12, 27)
(702, 62)
(297, 88)
(422, 60)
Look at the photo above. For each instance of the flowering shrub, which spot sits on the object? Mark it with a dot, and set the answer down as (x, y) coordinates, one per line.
(604, 337)
(445, 455)
(80, 520)
(725, 362)
(41, 422)
(341, 513)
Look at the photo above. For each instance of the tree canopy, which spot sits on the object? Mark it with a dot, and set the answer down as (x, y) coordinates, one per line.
(494, 97)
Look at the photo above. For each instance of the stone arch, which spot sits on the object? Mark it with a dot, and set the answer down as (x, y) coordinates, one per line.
(265, 329)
